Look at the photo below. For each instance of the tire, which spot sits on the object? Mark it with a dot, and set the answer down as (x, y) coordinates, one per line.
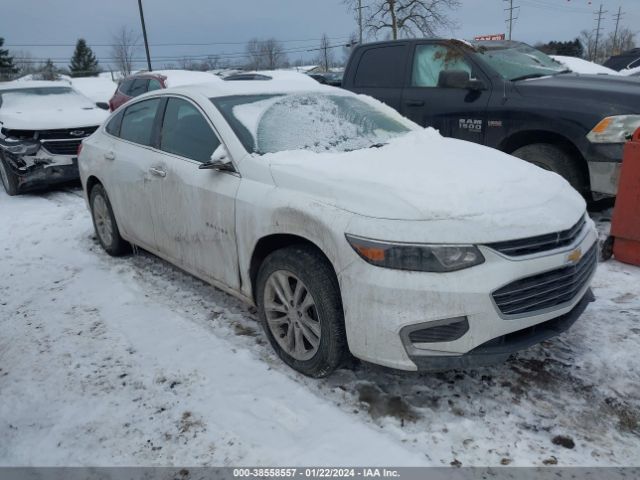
(553, 158)
(301, 263)
(9, 179)
(104, 223)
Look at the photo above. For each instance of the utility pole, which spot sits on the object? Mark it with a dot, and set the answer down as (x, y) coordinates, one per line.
(615, 34)
(144, 34)
(511, 19)
(600, 14)
(360, 7)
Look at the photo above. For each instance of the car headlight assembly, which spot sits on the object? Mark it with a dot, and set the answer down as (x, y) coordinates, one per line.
(19, 147)
(614, 129)
(416, 257)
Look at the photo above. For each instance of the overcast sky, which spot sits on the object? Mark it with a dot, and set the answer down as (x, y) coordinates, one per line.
(297, 23)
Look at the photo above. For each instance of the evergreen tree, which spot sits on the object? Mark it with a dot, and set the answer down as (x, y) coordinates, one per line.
(48, 71)
(83, 62)
(7, 69)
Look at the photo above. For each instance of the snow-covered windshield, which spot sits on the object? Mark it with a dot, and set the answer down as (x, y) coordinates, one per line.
(520, 61)
(307, 121)
(34, 95)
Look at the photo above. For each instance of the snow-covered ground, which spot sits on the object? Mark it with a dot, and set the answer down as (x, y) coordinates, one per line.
(129, 361)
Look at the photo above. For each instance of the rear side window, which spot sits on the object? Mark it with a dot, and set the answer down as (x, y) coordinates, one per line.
(154, 84)
(381, 67)
(113, 127)
(125, 87)
(139, 87)
(138, 120)
(186, 132)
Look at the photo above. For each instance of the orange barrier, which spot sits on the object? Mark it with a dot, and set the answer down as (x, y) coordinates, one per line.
(625, 224)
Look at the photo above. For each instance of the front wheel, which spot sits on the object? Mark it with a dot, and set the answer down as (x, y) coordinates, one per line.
(553, 158)
(300, 309)
(105, 224)
(9, 179)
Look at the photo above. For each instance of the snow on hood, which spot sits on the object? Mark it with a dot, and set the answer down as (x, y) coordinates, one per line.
(579, 65)
(423, 176)
(23, 111)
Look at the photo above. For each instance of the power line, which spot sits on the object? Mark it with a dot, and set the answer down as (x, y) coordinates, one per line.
(600, 14)
(511, 19)
(617, 17)
(168, 44)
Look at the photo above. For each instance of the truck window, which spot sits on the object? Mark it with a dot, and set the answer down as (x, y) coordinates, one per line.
(430, 60)
(381, 67)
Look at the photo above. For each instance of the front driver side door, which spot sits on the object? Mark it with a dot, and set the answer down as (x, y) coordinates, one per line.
(455, 112)
(195, 216)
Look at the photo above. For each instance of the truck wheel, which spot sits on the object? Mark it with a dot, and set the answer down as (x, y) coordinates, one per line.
(9, 179)
(105, 224)
(300, 309)
(553, 158)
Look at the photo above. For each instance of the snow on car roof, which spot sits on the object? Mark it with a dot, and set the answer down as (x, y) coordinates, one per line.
(178, 78)
(280, 82)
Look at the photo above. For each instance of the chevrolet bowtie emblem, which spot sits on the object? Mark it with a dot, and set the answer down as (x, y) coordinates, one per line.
(575, 256)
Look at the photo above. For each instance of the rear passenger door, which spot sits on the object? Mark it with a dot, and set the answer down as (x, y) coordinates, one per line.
(380, 73)
(455, 112)
(132, 179)
(195, 215)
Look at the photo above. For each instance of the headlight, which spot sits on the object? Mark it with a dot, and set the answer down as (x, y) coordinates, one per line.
(416, 257)
(614, 129)
(19, 147)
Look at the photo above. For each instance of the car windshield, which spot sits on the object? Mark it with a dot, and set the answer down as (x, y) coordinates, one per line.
(519, 62)
(6, 96)
(307, 121)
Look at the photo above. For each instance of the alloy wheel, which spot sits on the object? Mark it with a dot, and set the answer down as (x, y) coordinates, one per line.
(292, 315)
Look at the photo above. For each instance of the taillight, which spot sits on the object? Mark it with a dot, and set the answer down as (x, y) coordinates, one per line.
(79, 148)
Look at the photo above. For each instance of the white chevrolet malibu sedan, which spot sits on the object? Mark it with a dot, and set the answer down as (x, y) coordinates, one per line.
(350, 228)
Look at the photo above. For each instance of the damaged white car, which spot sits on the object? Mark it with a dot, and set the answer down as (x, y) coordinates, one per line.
(41, 126)
(348, 226)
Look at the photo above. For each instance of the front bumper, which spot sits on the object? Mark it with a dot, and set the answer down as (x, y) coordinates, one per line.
(41, 169)
(380, 303)
(604, 161)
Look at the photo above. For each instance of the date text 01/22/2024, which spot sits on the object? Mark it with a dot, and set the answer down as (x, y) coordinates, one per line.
(314, 473)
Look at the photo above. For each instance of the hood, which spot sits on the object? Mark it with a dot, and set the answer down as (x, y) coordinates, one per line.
(618, 92)
(48, 112)
(423, 176)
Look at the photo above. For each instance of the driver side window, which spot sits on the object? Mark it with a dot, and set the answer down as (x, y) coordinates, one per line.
(430, 60)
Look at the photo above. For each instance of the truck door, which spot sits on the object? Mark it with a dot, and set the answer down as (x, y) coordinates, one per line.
(427, 100)
(380, 73)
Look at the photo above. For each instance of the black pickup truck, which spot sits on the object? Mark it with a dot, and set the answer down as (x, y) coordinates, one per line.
(509, 96)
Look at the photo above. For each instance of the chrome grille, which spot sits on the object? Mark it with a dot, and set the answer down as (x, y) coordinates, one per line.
(548, 289)
(66, 133)
(540, 243)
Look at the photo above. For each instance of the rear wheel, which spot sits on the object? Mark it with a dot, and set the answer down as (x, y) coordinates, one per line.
(9, 179)
(105, 224)
(300, 309)
(553, 158)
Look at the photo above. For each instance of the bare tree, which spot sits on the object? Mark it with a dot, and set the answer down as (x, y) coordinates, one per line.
(408, 18)
(348, 48)
(265, 54)
(125, 45)
(325, 59)
(24, 62)
(625, 40)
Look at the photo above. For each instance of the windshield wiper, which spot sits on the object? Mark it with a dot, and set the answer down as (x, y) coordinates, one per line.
(377, 145)
(528, 76)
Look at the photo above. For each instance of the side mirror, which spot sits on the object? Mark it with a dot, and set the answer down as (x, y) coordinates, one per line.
(102, 105)
(219, 161)
(458, 79)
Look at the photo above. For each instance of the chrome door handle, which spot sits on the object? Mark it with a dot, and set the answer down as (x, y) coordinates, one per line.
(158, 172)
(109, 156)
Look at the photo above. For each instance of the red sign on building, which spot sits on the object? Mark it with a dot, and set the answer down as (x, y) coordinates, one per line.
(497, 36)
